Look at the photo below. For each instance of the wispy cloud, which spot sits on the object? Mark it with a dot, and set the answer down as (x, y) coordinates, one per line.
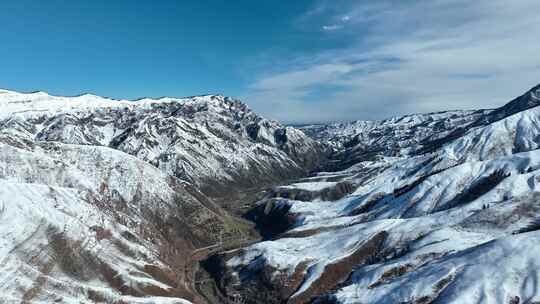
(402, 56)
(332, 27)
(341, 22)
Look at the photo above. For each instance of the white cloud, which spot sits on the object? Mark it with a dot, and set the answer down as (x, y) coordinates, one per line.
(332, 27)
(341, 22)
(313, 75)
(410, 57)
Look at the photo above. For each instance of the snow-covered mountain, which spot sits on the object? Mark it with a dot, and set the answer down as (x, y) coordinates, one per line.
(100, 199)
(212, 141)
(110, 201)
(358, 141)
(434, 208)
(91, 224)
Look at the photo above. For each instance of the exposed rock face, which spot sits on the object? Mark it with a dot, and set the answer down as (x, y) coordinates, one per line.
(443, 208)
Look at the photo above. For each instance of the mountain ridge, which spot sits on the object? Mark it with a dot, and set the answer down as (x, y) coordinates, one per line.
(119, 204)
(159, 129)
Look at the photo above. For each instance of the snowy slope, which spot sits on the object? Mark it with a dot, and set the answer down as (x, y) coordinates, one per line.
(406, 130)
(398, 136)
(52, 252)
(456, 223)
(86, 224)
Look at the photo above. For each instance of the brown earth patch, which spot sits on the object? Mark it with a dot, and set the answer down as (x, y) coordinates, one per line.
(337, 272)
(391, 274)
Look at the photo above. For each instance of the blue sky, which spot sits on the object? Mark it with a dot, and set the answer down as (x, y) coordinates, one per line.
(294, 61)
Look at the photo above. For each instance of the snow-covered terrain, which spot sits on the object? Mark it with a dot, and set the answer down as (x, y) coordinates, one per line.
(100, 199)
(396, 131)
(439, 208)
(212, 141)
(85, 224)
(105, 201)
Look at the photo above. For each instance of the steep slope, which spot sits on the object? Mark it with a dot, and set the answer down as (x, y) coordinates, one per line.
(212, 141)
(85, 224)
(526, 101)
(459, 224)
